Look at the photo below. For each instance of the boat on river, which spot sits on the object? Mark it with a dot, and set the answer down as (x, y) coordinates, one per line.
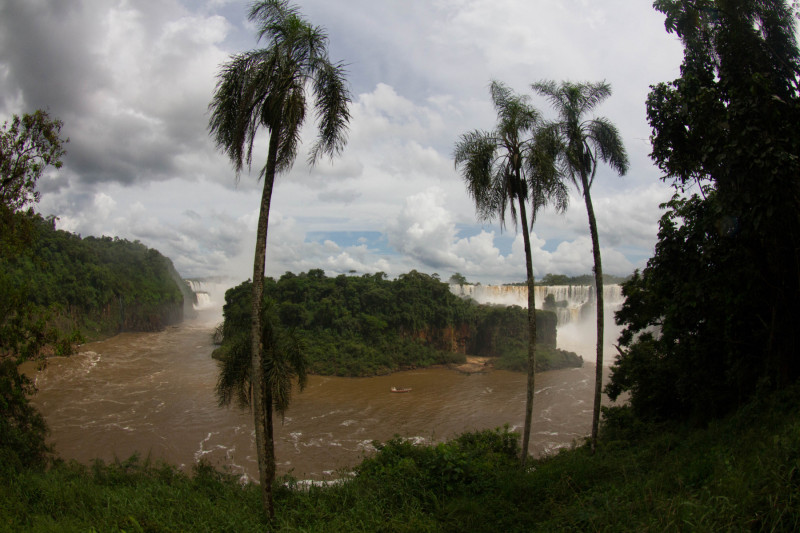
(403, 389)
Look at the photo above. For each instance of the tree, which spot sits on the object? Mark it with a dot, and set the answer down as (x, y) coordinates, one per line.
(458, 279)
(505, 169)
(268, 88)
(720, 297)
(28, 146)
(583, 143)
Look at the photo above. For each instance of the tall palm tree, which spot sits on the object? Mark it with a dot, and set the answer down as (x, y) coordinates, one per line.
(584, 142)
(267, 88)
(505, 169)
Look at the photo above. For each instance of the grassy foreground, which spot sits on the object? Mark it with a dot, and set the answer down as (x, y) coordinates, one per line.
(741, 473)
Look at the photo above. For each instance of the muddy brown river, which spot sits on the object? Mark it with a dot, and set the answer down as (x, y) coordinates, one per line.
(153, 393)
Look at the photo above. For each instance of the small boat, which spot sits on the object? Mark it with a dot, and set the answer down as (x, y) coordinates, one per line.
(395, 389)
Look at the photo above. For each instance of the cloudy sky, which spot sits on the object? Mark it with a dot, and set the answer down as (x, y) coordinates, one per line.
(132, 79)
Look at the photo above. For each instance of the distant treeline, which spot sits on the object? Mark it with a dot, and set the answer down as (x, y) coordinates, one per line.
(98, 285)
(367, 325)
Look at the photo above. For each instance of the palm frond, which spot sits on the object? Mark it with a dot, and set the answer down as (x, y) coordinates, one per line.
(544, 172)
(497, 166)
(590, 95)
(474, 154)
(292, 120)
(581, 139)
(272, 17)
(231, 108)
(286, 362)
(283, 361)
(333, 99)
(233, 383)
(552, 92)
(607, 141)
(516, 117)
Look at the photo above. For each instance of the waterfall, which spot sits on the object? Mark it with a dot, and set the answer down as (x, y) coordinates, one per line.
(208, 292)
(574, 307)
(571, 301)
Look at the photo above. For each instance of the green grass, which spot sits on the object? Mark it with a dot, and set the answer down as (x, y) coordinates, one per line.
(740, 473)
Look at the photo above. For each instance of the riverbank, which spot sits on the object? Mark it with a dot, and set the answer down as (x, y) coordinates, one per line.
(739, 473)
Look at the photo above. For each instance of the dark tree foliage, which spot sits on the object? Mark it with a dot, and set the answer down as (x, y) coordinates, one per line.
(97, 285)
(713, 316)
(22, 427)
(367, 325)
(28, 146)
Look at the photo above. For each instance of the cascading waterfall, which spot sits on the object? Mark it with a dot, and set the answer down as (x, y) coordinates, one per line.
(202, 300)
(570, 300)
(574, 307)
(209, 293)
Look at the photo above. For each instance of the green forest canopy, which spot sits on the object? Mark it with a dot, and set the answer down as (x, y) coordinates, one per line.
(366, 325)
(97, 285)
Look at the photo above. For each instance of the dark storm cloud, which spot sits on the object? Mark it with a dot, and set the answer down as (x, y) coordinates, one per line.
(130, 81)
(44, 46)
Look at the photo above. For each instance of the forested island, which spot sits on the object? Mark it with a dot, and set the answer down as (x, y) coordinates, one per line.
(367, 325)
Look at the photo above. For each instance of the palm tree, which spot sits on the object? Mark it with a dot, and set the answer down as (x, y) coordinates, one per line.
(268, 88)
(584, 142)
(505, 169)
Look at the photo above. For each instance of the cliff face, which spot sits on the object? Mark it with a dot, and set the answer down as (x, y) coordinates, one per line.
(486, 337)
(449, 339)
(137, 317)
(118, 316)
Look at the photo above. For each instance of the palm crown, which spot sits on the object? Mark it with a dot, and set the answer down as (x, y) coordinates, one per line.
(267, 87)
(583, 140)
(510, 163)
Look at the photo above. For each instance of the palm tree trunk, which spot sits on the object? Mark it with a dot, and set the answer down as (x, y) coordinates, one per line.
(266, 471)
(598, 283)
(531, 334)
(269, 446)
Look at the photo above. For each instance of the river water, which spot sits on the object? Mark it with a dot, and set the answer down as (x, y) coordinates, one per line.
(153, 393)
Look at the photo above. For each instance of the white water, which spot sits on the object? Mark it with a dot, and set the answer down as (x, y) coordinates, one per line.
(209, 292)
(577, 326)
